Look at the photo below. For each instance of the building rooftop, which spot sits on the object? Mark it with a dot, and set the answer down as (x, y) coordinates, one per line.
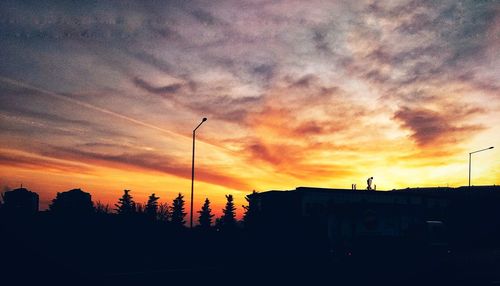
(493, 189)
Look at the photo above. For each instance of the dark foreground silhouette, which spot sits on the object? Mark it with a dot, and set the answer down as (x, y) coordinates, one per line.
(279, 242)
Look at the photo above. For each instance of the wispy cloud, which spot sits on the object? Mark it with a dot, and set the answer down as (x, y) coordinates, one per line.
(438, 128)
(146, 161)
(287, 86)
(39, 163)
(161, 90)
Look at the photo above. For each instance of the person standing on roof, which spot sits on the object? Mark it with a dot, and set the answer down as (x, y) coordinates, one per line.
(369, 183)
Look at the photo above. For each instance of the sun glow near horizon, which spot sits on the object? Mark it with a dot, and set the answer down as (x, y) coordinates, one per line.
(296, 94)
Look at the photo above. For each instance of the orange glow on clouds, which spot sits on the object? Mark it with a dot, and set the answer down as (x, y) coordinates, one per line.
(297, 93)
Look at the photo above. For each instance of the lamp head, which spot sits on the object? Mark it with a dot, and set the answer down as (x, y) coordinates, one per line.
(205, 119)
(491, 147)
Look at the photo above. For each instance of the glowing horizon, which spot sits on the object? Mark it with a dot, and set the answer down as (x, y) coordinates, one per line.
(104, 98)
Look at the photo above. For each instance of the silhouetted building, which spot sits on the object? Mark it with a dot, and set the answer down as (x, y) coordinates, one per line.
(343, 216)
(73, 202)
(21, 201)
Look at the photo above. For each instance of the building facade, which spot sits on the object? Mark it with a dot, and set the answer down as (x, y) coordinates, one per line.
(21, 201)
(339, 218)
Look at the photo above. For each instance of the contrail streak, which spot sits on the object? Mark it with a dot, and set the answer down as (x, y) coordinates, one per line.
(93, 107)
(103, 110)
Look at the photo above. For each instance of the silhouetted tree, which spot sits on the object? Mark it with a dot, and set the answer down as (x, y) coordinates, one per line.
(228, 219)
(126, 204)
(205, 218)
(164, 212)
(151, 209)
(140, 209)
(73, 202)
(178, 213)
(101, 208)
(250, 215)
(218, 223)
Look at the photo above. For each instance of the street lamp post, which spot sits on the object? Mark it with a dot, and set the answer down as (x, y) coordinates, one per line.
(192, 174)
(470, 156)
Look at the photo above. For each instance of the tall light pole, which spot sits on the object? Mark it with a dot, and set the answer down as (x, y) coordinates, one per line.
(470, 156)
(192, 173)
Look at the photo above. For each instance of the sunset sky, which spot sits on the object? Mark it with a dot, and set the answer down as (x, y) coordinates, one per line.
(104, 96)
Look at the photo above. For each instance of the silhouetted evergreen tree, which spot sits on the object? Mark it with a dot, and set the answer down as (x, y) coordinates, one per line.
(178, 213)
(250, 215)
(228, 219)
(126, 204)
(151, 209)
(164, 212)
(205, 218)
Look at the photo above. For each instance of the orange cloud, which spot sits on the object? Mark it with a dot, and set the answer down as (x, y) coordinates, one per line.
(438, 128)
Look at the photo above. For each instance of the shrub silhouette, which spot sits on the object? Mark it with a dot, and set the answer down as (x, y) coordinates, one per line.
(164, 212)
(140, 209)
(101, 208)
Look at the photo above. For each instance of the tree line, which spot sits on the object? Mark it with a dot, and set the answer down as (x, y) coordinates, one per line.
(175, 213)
(79, 203)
